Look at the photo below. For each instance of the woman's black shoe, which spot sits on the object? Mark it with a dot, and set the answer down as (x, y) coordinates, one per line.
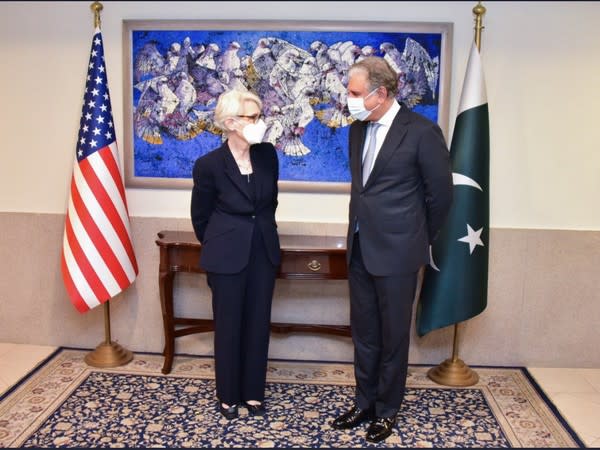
(255, 410)
(228, 413)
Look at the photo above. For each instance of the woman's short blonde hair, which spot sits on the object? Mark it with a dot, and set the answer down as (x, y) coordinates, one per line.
(231, 104)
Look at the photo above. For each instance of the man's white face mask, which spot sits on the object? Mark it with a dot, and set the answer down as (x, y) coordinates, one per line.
(356, 106)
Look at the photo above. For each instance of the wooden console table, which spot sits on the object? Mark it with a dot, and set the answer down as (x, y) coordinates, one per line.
(303, 258)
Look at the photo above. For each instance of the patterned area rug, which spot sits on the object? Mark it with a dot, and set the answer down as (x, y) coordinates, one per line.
(66, 403)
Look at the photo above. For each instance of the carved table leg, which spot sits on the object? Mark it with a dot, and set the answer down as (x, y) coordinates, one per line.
(165, 282)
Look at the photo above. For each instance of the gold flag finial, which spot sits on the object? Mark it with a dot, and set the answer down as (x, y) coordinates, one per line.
(479, 11)
(96, 7)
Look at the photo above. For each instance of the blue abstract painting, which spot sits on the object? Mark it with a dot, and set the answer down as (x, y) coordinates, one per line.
(301, 77)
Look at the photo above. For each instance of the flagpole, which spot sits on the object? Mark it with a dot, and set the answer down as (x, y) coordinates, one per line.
(108, 353)
(454, 371)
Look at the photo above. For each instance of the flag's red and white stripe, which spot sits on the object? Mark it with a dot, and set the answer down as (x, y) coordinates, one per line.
(98, 261)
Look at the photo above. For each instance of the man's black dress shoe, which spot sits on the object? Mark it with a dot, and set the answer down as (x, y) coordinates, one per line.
(380, 428)
(228, 413)
(255, 410)
(352, 418)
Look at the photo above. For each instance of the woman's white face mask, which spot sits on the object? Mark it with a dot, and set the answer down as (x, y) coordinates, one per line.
(356, 106)
(253, 133)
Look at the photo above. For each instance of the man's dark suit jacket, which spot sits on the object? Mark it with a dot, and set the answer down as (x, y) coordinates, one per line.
(223, 213)
(407, 196)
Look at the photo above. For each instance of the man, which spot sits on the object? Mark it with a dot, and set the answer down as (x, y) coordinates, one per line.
(401, 192)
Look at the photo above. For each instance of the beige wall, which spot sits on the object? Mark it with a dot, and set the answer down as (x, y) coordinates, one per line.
(542, 309)
(541, 71)
(542, 80)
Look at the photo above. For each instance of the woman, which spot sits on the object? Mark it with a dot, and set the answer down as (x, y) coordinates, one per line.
(233, 205)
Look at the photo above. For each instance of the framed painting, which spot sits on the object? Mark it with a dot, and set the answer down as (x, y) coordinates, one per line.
(174, 72)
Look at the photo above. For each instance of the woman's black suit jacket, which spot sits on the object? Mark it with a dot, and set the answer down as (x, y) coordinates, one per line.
(224, 214)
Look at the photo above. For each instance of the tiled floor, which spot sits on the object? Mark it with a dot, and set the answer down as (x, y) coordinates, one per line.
(575, 392)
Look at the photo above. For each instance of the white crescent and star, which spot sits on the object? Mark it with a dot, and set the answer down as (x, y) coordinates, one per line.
(472, 95)
(473, 238)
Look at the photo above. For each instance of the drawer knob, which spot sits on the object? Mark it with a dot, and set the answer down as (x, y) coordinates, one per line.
(314, 265)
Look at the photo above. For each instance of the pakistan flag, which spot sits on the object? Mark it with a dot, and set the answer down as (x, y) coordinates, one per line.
(456, 280)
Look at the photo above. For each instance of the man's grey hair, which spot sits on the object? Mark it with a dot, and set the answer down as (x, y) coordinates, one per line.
(379, 73)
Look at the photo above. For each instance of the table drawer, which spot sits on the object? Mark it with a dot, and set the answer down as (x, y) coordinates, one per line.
(317, 266)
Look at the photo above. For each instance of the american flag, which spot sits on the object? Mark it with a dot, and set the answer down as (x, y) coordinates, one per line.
(97, 261)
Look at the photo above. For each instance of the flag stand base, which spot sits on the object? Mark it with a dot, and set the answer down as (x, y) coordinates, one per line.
(453, 372)
(108, 355)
